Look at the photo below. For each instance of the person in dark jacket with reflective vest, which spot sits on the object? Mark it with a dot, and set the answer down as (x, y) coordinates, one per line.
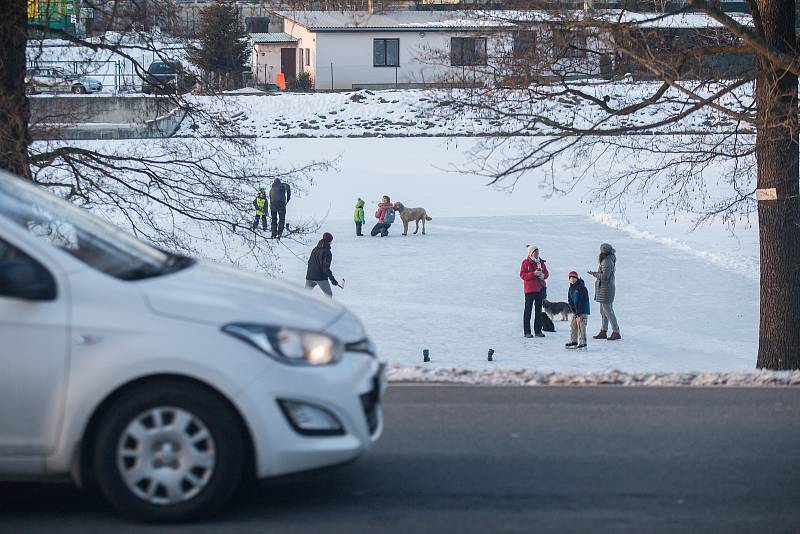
(279, 195)
(578, 299)
(319, 266)
(260, 204)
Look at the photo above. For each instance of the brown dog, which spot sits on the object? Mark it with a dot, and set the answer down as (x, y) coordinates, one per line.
(411, 214)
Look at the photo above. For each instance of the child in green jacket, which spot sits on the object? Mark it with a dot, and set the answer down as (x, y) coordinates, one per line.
(358, 216)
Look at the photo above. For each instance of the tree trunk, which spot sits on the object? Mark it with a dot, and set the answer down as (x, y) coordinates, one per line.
(778, 205)
(14, 108)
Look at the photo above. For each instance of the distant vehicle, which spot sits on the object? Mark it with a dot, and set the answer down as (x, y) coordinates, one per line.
(166, 77)
(163, 380)
(59, 80)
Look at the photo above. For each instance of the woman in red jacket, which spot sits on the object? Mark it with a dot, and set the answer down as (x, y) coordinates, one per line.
(533, 273)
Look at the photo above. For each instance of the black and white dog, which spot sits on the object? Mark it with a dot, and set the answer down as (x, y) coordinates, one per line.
(556, 308)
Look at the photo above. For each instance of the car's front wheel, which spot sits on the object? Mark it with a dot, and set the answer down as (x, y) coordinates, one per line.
(169, 451)
(78, 89)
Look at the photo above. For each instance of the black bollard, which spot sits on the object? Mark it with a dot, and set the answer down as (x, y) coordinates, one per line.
(426, 355)
(491, 353)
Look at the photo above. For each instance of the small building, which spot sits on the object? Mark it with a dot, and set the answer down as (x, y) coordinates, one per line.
(273, 53)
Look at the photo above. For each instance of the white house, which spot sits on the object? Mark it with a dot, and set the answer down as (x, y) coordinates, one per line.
(345, 50)
(361, 49)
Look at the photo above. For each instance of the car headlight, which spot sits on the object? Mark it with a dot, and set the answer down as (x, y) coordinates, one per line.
(288, 345)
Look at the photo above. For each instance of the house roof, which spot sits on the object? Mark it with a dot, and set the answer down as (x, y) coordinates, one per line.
(354, 21)
(265, 38)
(363, 21)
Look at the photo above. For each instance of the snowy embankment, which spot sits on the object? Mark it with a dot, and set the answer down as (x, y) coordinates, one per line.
(420, 113)
(614, 377)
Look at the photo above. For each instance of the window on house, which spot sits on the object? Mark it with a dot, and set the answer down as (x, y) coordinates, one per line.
(468, 51)
(569, 43)
(386, 52)
(524, 44)
(308, 57)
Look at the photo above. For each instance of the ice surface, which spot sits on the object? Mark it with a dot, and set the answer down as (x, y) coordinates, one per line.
(686, 301)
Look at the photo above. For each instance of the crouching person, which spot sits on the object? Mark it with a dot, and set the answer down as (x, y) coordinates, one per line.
(578, 299)
(319, 266)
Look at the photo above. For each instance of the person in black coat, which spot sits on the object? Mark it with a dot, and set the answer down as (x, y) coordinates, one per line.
(279, 195)
(319, 266)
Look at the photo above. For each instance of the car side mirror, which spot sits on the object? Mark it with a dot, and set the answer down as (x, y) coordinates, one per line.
(26, 280)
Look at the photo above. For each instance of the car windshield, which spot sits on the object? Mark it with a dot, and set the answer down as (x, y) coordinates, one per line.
(161, 68)
(82, 235)
(63, 73)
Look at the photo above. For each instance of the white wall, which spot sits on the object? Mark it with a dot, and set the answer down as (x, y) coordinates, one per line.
(424, 58)
(266, 61)
(305, 39)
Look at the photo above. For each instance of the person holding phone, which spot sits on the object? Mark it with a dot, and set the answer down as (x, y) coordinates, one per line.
(605, 289)
(533, 273)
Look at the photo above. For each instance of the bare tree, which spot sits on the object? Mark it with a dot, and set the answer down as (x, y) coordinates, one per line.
(189, 195)
(720, 95)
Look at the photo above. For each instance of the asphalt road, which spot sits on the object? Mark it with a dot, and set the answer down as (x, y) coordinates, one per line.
(481, 459)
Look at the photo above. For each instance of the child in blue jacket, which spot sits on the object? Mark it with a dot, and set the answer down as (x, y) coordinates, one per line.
(578, 299)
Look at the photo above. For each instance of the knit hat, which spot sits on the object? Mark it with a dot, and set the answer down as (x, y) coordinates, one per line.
(573, 274)
(327, 237)
(531, 248)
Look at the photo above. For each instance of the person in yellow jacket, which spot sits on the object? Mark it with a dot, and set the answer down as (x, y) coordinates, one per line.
(261, 206)
(358, 216)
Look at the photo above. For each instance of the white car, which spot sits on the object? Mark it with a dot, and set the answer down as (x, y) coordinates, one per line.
(59, 80)
(165, 380)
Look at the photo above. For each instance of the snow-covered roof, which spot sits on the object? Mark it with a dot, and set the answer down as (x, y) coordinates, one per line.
(353, 21)
(328, 21)
(264, 38)
(680, 20)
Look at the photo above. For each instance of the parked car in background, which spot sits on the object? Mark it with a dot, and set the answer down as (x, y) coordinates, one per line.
(164, 380)
(59, 80)
(167, 77)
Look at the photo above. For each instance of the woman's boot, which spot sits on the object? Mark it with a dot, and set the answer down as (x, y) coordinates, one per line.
(600, 335)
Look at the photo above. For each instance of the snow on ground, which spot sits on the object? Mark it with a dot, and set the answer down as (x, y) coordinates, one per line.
(500, 376)
(686, 301)
(418, 113)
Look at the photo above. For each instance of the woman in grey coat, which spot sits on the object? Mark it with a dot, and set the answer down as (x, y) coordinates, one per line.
(604, 289)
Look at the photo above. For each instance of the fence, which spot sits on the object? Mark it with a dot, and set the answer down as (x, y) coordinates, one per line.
(116, 75)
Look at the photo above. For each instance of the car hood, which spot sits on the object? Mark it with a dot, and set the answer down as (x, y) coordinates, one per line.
(88, 80)
(217, 295)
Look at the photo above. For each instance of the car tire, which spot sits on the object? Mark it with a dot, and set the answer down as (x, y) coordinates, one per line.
(169, 451)
(79, 89)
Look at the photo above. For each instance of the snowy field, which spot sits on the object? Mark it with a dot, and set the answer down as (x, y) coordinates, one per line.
(687, 301)
(392, 113)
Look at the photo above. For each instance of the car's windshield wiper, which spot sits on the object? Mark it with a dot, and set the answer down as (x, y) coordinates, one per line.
(173, 263)
(176, 262)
